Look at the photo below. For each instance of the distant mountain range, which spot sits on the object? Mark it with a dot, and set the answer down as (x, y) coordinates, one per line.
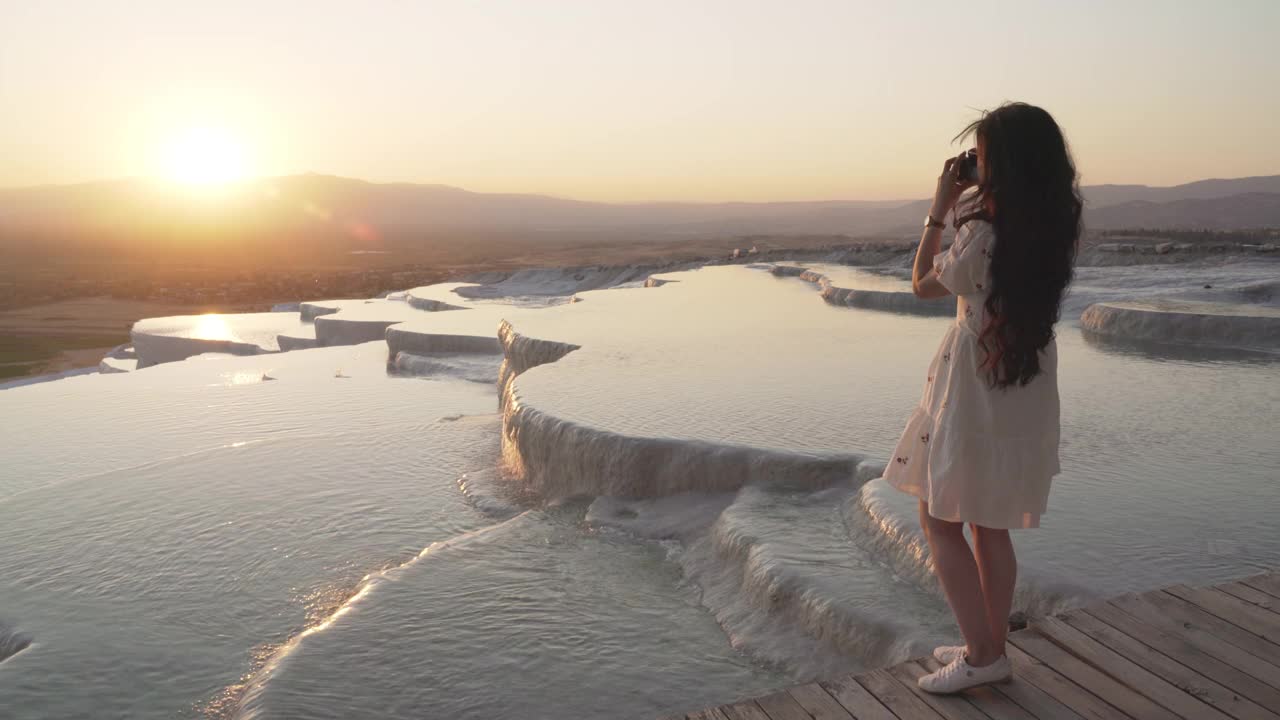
(1100, 196)
(1246, 210)
(300, 205)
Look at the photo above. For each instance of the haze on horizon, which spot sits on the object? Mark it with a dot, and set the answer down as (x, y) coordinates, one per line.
(622, 101)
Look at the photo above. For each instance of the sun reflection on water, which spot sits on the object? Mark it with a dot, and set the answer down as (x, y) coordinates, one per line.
(213, 327)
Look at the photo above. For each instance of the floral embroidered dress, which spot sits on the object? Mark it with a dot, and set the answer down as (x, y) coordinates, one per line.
(975, 453)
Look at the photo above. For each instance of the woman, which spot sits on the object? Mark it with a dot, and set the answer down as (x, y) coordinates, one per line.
(982, 446)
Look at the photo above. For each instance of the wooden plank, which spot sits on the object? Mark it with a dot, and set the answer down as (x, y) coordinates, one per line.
(818, 703)
(1129, 673)
(1109, 689)
(1179, 652)
(1169, 669)
(747, 710)
(1265, 625)
(1177, 620)
(1268, 583)
(1203, 623)
(1082, 702)
(896, 697)
(952, 707)
(1013, 700)
(856, 699)
(781, 706)
(1250, 595)
(1180, 649)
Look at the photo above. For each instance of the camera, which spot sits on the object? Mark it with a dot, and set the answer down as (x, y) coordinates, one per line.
(968, 170)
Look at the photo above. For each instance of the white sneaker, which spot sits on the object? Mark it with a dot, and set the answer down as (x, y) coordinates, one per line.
(947, 654)
(960, 675)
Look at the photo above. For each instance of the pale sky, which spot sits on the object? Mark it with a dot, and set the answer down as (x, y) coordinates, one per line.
(635, 100)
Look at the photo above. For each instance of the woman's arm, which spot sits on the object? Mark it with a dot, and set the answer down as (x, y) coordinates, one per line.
(924, 282)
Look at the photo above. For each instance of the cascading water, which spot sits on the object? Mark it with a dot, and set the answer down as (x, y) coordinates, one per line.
(675, 505)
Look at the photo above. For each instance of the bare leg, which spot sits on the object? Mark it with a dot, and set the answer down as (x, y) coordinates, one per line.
(954, 564)
(998, 568)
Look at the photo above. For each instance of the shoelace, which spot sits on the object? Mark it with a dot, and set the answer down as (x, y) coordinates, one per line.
(952, 669)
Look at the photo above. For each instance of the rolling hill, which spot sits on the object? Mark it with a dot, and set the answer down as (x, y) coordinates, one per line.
(343, 210)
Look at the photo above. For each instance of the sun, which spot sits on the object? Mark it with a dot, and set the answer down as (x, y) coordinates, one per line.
(205, 156)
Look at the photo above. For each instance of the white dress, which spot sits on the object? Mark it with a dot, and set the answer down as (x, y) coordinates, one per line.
(975, 453)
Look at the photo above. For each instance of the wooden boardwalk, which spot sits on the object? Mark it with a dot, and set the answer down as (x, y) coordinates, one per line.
(1180, 652)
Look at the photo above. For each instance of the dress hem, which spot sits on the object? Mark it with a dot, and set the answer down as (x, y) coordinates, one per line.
(1031, 521)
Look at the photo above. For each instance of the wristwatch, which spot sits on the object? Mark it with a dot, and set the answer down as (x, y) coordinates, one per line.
(930, 222)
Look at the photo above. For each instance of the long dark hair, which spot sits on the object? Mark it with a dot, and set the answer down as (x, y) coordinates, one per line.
(1029, 194)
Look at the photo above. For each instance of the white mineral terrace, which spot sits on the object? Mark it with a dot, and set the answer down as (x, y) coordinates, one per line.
(846, 286)
(704, 368)
(1190, 322)
(727, 411)
(169, 339)
(1238, 295)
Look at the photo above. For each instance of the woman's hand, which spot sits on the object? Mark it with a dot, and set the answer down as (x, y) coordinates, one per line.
(950, 186)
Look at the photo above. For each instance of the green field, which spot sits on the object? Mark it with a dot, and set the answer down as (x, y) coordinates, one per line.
(25, 354)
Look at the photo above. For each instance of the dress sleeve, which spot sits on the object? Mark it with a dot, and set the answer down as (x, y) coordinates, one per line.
(964, 267)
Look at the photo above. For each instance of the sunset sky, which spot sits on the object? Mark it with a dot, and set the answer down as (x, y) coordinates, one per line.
(609, 100)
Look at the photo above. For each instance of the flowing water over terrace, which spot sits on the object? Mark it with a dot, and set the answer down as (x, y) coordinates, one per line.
(286, 535)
